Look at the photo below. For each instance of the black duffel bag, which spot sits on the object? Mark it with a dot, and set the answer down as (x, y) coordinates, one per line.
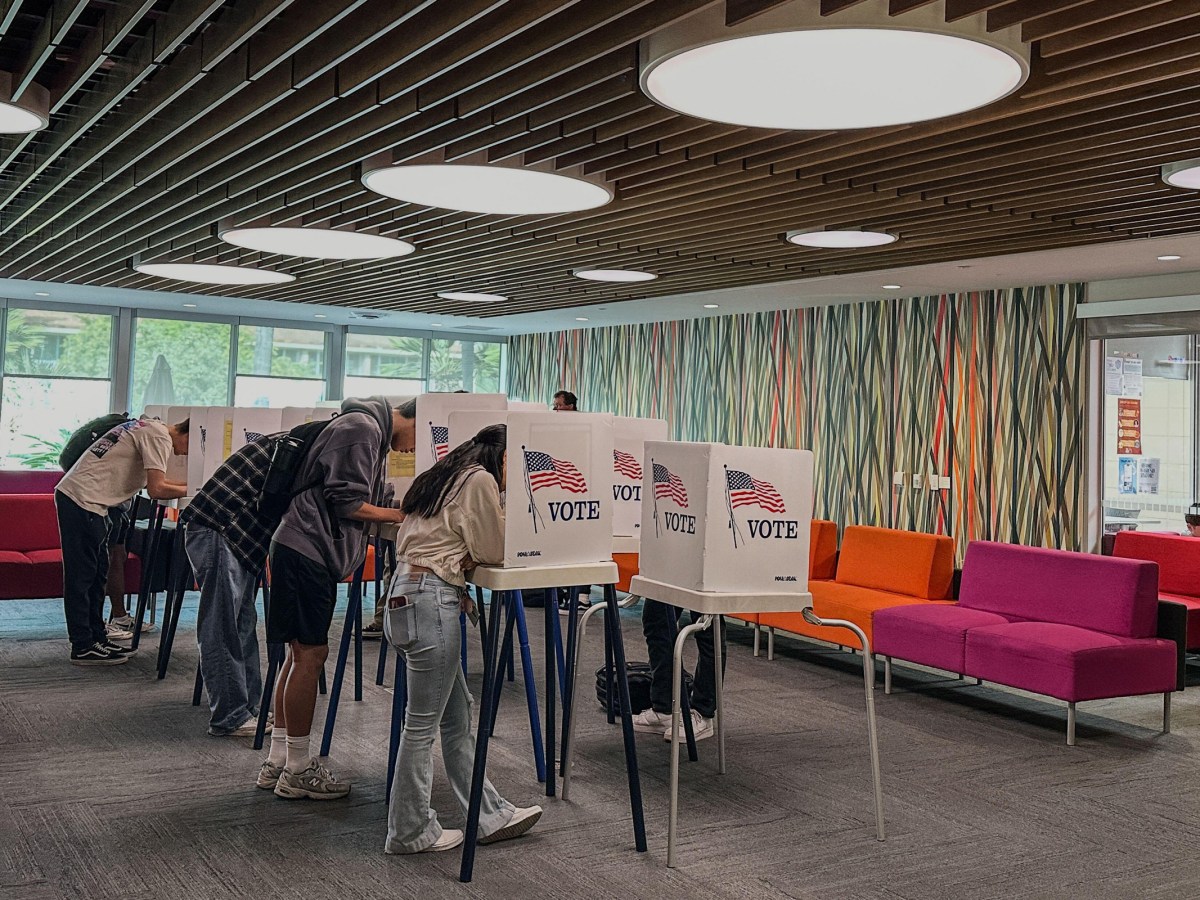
(638, 674)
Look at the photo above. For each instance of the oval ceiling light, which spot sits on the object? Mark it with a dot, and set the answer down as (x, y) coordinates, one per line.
(791, 68)
(28, 112)
(622, 275)
(472, 297)
(839, 239)
(1184, 174)
(213, 273)
(472, 184)
(314, 242)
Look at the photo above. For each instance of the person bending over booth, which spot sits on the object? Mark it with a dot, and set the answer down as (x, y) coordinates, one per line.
(453, 520)
(656, 627)
(320, 541)
(125, 459)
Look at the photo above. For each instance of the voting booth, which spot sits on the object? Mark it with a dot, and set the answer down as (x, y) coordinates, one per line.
(433, 422)
(464, 424)
(629, 448)
(726, 519)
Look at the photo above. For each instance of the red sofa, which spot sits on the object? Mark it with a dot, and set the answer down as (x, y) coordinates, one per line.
(1178, 559)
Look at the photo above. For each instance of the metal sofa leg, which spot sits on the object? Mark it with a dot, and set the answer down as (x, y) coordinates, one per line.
(757, 638)
(887, 674)
(1167, 713)
(1070, 724)
(770, 643)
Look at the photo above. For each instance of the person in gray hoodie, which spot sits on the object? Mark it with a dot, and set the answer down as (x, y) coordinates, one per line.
(320, 541)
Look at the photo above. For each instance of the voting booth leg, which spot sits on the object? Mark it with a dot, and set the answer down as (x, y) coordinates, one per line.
(274, 661)
(198, 690)
(492, 675)
(356, 596)
(399, 706)
(610, 693)
(177, 582)
(569, 663)
(516, 612)
(685, 701)
(551, 611)
(676, 720)
(556, 627)
(353, 616)
(612, 620)
(381, 662)
(718, 689)
(570, 711)
(157, 515)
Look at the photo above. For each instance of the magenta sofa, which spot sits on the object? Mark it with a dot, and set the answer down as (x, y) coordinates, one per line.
(1074, 626)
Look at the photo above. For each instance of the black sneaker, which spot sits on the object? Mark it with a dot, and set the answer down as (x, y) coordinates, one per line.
(97, 655)
(372, 632)
(564, 602)
(117, 648)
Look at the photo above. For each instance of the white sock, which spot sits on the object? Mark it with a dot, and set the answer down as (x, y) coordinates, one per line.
(297, 753)
(277, 755)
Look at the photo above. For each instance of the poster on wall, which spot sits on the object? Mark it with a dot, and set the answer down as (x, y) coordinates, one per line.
(1147, 477)
(1114, 371)
(1131, 379)
(1127, 475)
(1129, 427)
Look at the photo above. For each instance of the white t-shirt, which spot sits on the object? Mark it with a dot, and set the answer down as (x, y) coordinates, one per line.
(114, 468)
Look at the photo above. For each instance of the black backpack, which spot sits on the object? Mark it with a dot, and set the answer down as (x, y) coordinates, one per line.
(638, 675)
(79, 441)
(287, 459)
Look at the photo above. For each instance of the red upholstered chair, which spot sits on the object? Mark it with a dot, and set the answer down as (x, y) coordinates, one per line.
(1178, 559)
(30, 556)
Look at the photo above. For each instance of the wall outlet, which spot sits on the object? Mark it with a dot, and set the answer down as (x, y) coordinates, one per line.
(945, 482)
(898, 479)
(918, 481)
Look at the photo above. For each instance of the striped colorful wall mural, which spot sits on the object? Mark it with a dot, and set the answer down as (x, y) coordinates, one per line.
(986, 388)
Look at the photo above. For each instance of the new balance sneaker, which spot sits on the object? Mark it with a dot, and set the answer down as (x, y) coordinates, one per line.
(249, 728)
(126, 623)
(97, 655)
(649, 721)
(268, 775)
(523, 819)
(701, 728)
(117, 633)
(315, 783)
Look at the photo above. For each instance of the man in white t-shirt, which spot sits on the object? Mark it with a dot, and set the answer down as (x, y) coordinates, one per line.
(129, 457)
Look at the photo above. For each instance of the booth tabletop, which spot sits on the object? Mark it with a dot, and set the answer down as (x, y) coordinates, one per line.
(531, 578)
(713, 603)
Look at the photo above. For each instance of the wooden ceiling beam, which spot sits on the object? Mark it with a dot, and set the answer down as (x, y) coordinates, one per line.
(1079, 15)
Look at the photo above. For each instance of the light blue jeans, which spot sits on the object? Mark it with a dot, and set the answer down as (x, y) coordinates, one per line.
(437, 699)
(226, 630)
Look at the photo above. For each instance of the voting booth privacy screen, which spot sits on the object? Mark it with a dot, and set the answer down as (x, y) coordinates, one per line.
(726, 519)
(629, 454)
(433, 422)
(559, 496)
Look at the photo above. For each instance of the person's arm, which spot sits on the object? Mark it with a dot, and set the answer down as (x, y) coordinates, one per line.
(368, 513)
(479, 519)
(159, 488)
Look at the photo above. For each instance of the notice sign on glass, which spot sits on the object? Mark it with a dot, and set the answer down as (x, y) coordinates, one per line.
(1129, 427)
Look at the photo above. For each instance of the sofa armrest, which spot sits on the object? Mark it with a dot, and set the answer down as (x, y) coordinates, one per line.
(955, 584)
(1172, 626)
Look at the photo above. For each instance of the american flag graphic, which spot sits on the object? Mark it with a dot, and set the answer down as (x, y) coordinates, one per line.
(745, 490)
(668, 484)
(440, 435)
(627, 464)
(251, 436)
(546, 471)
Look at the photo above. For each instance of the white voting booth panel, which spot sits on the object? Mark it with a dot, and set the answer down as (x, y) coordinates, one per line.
(559, 498)
(527, 406)
(291, 416)
(465, 424)
(629, 446)
(251, 423)
(433, 421)
(156, 411)
(218, 437)
(729, 519)
(179, 467)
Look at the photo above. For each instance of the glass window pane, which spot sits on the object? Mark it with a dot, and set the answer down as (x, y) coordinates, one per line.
(51, 342)
(37, 415)
(445, 365)
(357, 386)
(257, 390)
(384, 356)
(194, 367)
(486, 372)
(282, 352)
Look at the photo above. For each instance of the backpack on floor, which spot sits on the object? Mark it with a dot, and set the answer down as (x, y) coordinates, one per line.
(638, 674)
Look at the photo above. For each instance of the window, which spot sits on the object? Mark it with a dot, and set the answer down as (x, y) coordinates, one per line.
(465, 365)
(279, 366)
(384, 364)
(180, 363)
(57, 375)
(488, 361)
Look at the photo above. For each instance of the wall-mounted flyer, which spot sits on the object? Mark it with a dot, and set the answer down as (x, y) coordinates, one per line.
(726, 519)
(559, 500)
(629, 445)
(433, 422)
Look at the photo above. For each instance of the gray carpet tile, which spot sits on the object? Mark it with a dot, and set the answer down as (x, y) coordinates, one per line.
(113, 789)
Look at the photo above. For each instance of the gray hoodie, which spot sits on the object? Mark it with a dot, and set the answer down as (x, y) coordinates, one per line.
(347, 459)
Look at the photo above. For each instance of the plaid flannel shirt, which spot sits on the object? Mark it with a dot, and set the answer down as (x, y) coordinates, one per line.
(228, 503)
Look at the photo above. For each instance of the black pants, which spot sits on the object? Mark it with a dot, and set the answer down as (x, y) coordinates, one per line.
(656, 626)
(84, 538)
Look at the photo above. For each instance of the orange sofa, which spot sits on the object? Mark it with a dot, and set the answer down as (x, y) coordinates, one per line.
(877, 568)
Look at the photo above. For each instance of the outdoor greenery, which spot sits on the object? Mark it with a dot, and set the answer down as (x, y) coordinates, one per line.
(44, 450)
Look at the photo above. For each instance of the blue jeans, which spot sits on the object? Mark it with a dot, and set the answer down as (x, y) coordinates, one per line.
(226, 630)
(437, 699)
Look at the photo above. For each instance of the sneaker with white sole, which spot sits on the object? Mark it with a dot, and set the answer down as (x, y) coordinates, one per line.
(701, 728)
(97, 655)
(117, 633)
(117, 648)
(650, 721)
(126, 623)
(268, 775)
(314, 783)
(448, 840)
(249, 728)
(523, 819)
(372, 632)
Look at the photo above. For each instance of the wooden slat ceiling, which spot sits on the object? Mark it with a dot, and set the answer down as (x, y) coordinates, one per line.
(169, 115)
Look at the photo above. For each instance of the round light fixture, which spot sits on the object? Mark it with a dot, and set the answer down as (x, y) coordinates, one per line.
(41, 293)
(316, 243)
(1184, 174)
(189, 306)
(622, 275)
(710, 306)
(29, 112)
(471, 297)
(1170, 257)
(891, 287)
(436, 324)
(835, 239)
(472, 184)
(318, 315)
(213, 273)
(791, 68)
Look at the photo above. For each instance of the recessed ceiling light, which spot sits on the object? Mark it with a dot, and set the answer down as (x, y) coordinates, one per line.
(213, 273)
(318, 315)
(834, 239)
(41, 293)
(436, 324)
(891, 287)
(580, 319)
(1184, 174)
(473, 184)
(316, 243)
(1170, 257)
(613, 275)
(789, 68)
(471, 297)
(31, 112)
(189, 306)
(710, 306)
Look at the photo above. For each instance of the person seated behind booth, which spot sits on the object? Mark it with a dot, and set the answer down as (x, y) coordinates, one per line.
(656, 627)
(453, 519)
(129, 457)
(565, 401)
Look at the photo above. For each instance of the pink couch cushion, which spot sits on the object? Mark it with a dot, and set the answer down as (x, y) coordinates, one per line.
(1178, 558)
(1117, 596)
(932, 634)
(1068, 662)
(28, 522)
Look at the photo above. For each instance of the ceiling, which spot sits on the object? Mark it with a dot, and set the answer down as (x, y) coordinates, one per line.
(171, 115)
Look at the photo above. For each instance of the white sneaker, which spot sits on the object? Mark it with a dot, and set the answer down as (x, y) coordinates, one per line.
(115, 632)
(451, 838)
(125, 622)
(249, 728)
(315, 783)
(701, 728)
(649, 721)
(523, 819)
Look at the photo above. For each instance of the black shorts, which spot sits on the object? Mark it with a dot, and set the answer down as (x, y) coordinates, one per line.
(303, 593)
